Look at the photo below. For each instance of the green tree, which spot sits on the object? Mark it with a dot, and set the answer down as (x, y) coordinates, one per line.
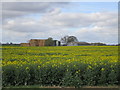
(49, 42)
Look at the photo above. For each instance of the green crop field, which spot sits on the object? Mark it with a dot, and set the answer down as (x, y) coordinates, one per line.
(60, 66)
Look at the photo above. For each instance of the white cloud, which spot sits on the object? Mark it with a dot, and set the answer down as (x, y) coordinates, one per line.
(17, 9)
(91, 27)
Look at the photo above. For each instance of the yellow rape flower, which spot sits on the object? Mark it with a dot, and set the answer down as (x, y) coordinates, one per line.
(38, 66)
(102, 69)
(27, 68)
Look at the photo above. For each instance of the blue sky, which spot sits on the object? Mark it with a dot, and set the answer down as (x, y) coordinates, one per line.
(85, 7)
(88, 21)
(88, 7)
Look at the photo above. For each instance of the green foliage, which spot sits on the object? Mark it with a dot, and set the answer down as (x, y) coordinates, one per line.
(49, 42)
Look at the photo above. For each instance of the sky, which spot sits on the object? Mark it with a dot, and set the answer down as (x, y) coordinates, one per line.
(88, 21)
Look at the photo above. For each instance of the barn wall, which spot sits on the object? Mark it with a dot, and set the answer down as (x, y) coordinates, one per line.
(41, 42)
(33, 43)
(37, 42)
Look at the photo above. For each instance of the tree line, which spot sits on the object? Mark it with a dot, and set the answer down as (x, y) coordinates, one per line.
(64, 41)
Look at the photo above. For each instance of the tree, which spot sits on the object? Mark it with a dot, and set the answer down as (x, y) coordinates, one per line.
(67, 39)
(7, 43)
(98, 44)
(49, 42)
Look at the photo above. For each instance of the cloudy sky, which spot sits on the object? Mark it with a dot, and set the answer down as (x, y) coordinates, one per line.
(88, 21)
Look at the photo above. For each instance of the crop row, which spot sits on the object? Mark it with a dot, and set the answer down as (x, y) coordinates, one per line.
(60, 66)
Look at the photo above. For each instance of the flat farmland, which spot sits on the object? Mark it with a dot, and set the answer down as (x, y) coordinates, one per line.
(67, 66)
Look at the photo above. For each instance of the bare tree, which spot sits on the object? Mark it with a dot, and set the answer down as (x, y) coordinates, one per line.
(67, 39)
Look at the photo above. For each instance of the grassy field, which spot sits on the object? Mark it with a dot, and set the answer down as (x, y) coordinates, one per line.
(74, 66)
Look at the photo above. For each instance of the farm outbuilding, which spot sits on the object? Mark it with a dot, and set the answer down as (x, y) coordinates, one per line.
(39, 42)
(35, 42)
(57, 43)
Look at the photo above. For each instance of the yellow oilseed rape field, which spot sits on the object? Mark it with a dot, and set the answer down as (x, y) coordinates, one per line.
(60, 66)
